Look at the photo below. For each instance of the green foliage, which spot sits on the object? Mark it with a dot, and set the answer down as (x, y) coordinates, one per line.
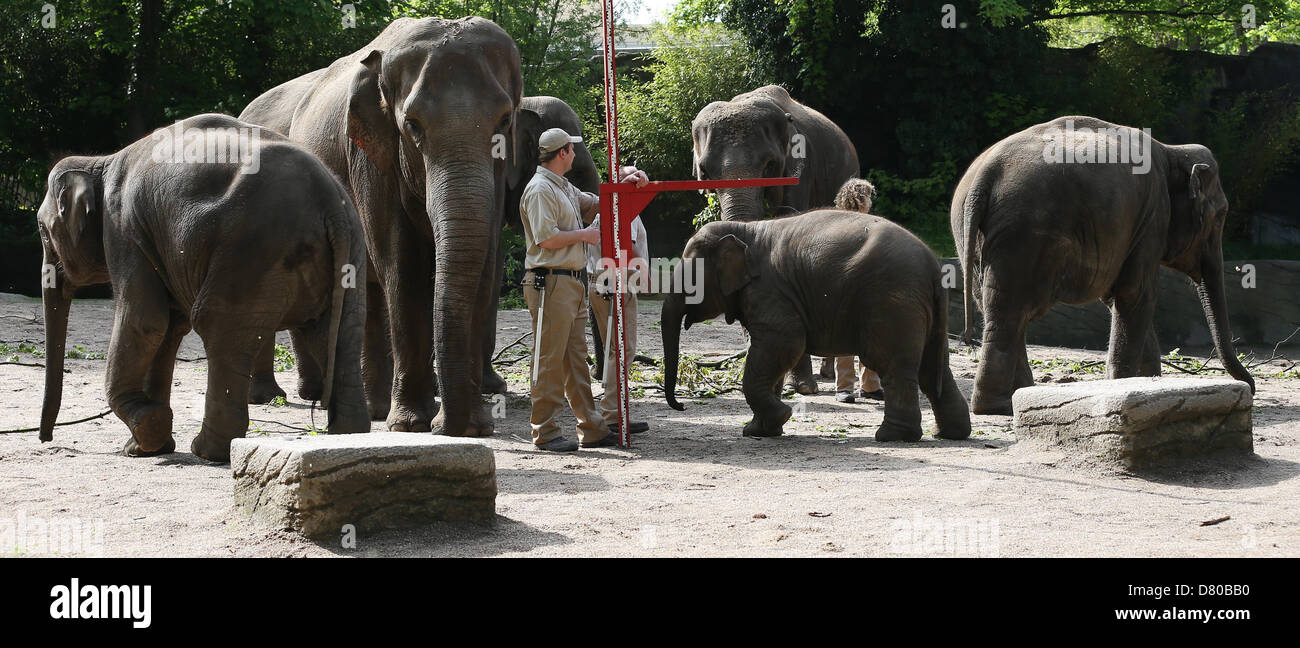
(1253, 138)
(80, 352)
(1200, 25)
(920, 204)
(7, 349)
(284, 359)
(512, 294)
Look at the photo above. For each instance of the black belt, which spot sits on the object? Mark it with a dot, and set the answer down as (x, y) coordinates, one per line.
(580, 275)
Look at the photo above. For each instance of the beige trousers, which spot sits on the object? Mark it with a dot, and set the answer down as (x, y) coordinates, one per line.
(845, 377)
(560, 351)
(602, 308)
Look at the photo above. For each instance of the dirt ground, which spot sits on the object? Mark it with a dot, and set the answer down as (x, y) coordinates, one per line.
(691, 486)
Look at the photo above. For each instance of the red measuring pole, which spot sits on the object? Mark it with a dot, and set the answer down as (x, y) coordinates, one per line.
(620, 203)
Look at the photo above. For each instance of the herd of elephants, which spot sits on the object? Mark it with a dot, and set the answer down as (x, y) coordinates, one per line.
(372, 232)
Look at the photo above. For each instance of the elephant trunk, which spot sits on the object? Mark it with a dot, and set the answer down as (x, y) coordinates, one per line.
(56, 300)
(1210, 290)
(741, 203)
(670, 323)
(462, 206)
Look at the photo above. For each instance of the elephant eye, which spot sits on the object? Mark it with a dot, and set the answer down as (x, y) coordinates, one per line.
(503, 124)
(414, 130)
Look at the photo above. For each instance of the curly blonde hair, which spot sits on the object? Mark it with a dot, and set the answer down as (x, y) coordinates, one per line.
(855, 195)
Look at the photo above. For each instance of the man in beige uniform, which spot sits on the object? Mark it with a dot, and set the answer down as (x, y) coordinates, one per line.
(556, 291)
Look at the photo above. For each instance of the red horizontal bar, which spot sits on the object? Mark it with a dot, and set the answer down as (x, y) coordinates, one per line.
(694, 185)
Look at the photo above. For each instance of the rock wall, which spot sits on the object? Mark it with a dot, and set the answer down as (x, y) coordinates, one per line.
(1263, 308)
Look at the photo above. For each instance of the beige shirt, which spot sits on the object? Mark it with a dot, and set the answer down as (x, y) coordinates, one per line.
(639, 241)
(551, 204)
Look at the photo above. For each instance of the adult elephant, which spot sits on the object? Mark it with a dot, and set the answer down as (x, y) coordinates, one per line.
(419, 124)
(765, 133)
(1051, 214)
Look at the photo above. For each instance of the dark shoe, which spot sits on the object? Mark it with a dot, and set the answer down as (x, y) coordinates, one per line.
(844, 397)
(559, 444)
(606, 441)
(879, 394)
(636, 427)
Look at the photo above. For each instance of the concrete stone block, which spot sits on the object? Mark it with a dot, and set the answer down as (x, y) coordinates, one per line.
(317, 484)
(1135, 423)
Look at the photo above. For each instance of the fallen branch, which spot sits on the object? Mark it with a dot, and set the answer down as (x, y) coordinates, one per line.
(284, 425)
(37, 429)
(717, 364)
(503, 349)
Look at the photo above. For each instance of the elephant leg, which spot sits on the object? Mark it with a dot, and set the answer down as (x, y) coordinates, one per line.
(408, 289)
(1151, 354)
(1001, 351)
(1132, 317)
(158, 382)
(769, 358)
(492, 382)
(230, 362)
(376, 355)
(1024, 373)
(347, 412)
(264, 388)
(801, 377)
(951, 413)
(483, 315)
(899, 376)
(311, 376)
(141, 323)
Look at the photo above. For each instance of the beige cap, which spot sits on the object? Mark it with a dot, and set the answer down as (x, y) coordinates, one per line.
(555, 138)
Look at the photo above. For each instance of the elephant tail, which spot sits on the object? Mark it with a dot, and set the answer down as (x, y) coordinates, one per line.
(936, 347)
(973, 208)
(346, 272)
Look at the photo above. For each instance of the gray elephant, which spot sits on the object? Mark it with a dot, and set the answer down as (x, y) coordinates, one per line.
(419, 124)
(1078, 209)
(765, 133)
(260, 238)
(832, 283)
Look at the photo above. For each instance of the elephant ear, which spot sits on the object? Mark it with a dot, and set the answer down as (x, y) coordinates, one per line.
(734, 271)
(74, 193)
(1200, 179)
(523, 158)
(370, 122)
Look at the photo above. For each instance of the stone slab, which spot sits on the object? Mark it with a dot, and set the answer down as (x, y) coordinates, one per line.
(317, 484)
(1135, 423)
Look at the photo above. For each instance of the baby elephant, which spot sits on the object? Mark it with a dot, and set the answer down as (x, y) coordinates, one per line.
(829, 283)
(215, 224)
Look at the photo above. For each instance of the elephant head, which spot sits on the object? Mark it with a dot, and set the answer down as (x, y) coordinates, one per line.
(1198, 209)
(748, 137)
(71, 224)
(536, 115)
(722, 250)
(435, 114)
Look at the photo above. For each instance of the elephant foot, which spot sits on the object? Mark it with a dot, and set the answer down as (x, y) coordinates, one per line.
(378, 412)
(954, 432)
(979, 404)
(152, 432)
(132, 449)
(891, 431)
(350, 420)
(207, 446)
(480, 425)
(310, 390)
(403, 418)
(493, 383)
(769, 426)
(263, 389)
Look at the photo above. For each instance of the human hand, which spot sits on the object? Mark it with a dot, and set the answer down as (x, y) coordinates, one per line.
(633, 174)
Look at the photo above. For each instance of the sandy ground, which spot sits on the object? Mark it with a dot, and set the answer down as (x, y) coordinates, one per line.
(692, 486)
